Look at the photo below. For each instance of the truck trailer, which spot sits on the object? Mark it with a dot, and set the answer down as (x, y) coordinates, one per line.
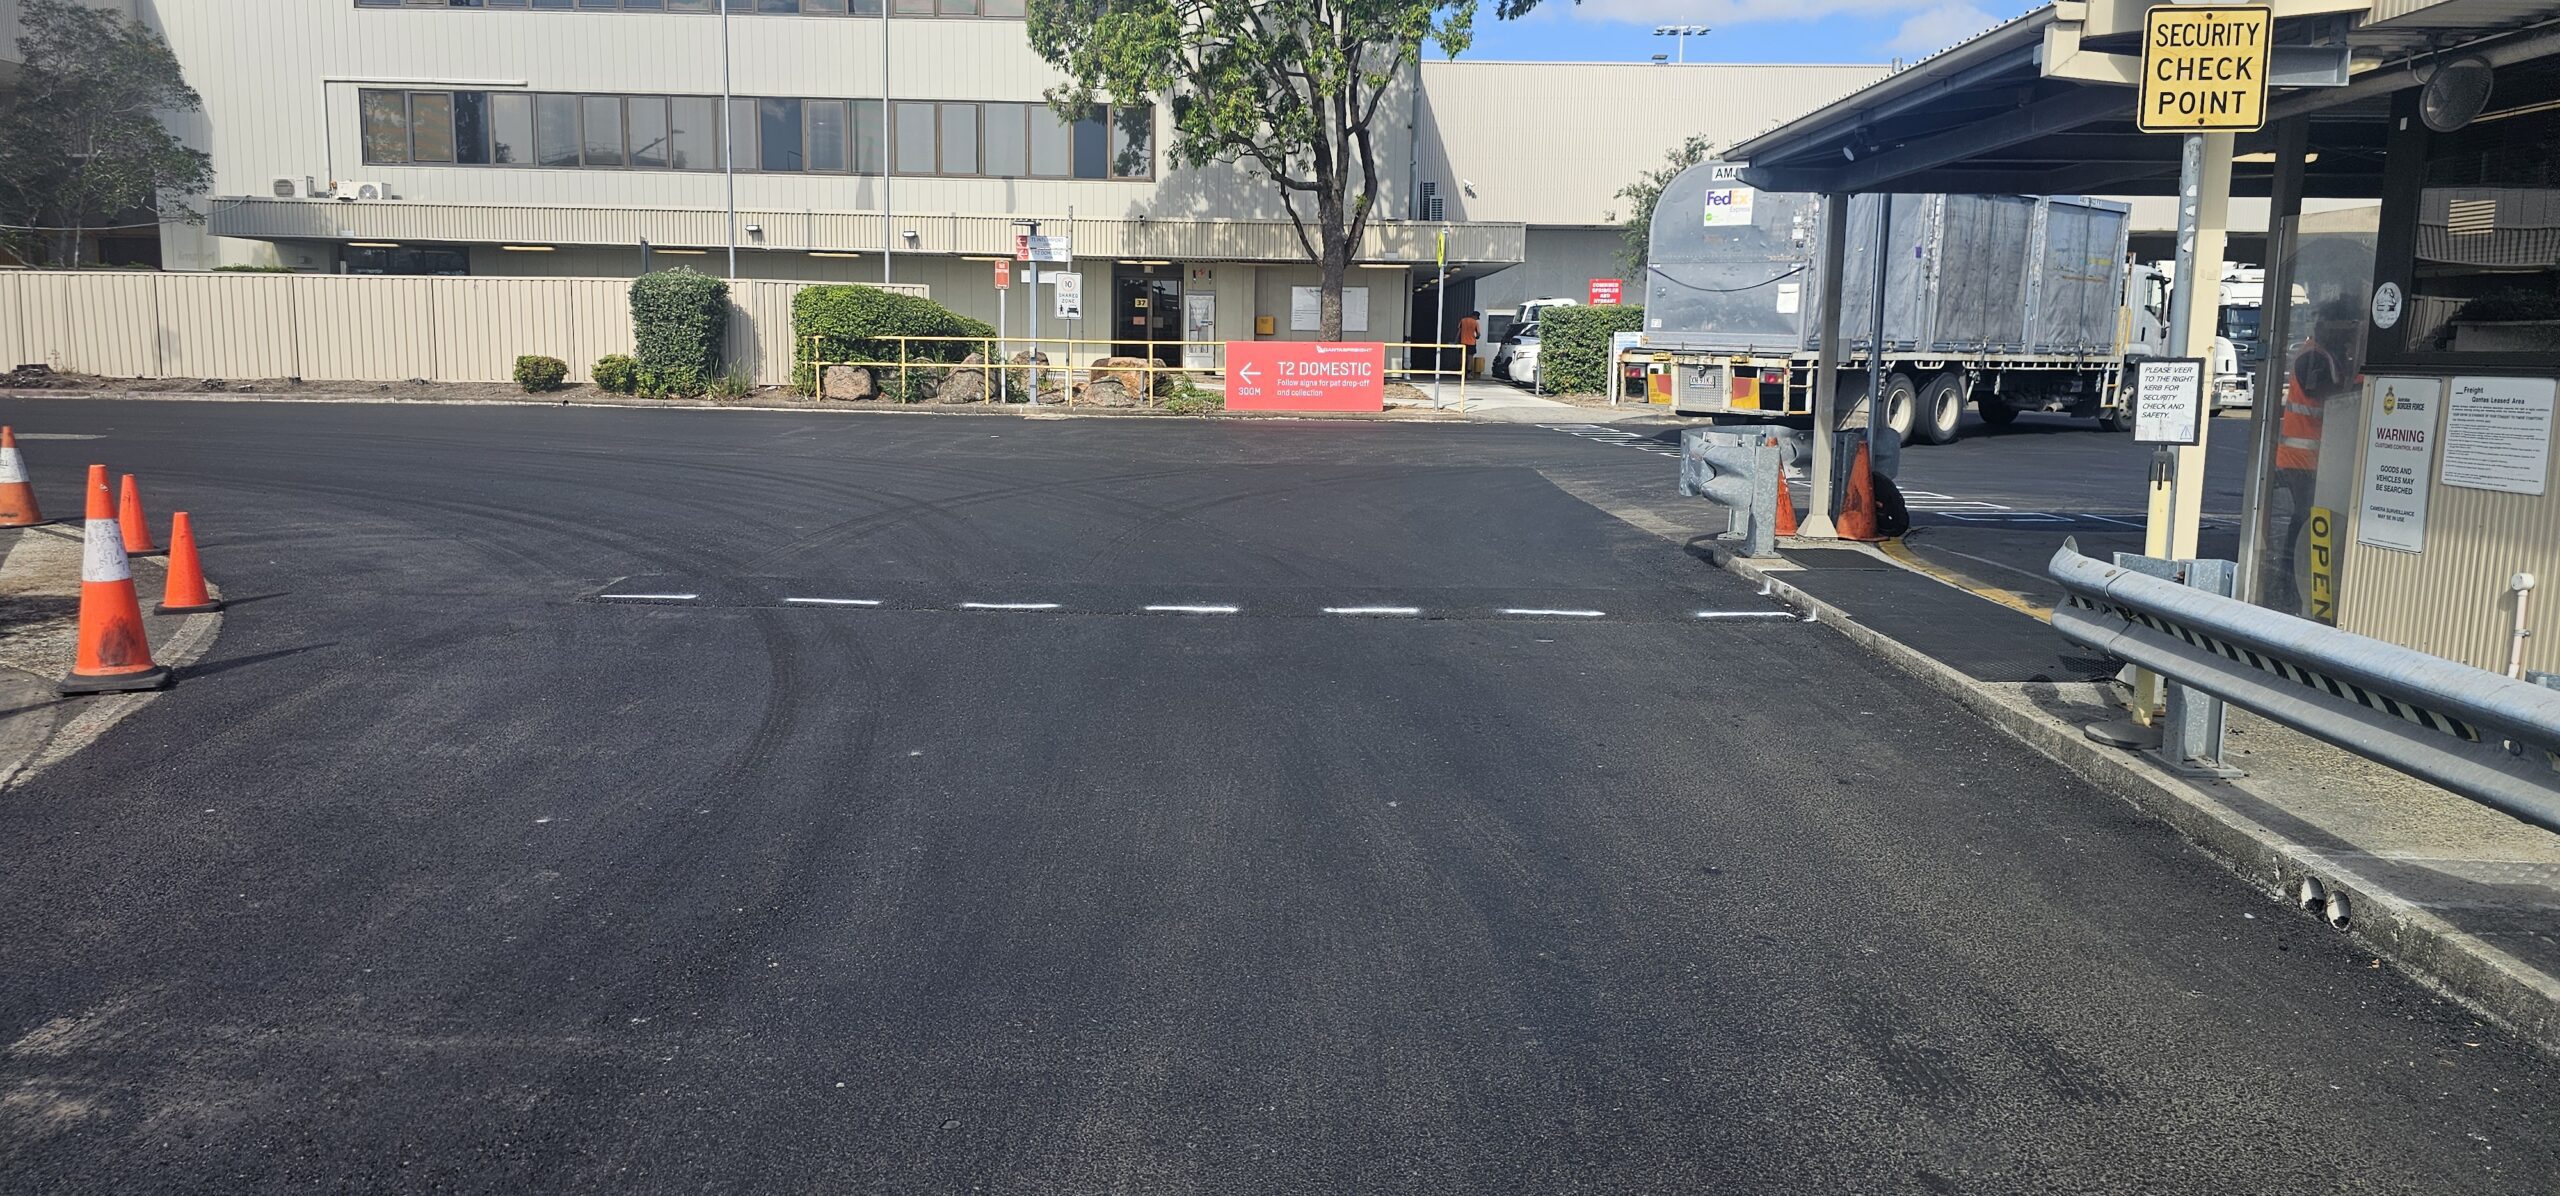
(2010, 303)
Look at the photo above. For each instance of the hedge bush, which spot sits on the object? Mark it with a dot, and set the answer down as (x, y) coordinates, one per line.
(679, 318)
(616, 373)
(848, 324)
(1573, 346)
(537, 374)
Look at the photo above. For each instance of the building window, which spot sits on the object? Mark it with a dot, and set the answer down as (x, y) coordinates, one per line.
(406, 259)
(774, 134)
(511, 129)
(915, 134)
(386, 125)
(696, 136)
(555, 130)
(959, 139)
(471, 128)
(430, 126)
(778, 121)
(603, 140)
(826, 136)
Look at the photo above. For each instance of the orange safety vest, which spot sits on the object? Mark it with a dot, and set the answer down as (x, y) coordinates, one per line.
(2298, 436)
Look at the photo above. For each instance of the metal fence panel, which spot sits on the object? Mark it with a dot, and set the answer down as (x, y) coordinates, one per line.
(226, 326)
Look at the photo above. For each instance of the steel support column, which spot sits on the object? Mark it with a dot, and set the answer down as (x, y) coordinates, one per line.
(1826, 369)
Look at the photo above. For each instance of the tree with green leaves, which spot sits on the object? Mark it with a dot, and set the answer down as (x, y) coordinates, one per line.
(1291, 89)
(1647, 188)
(82, 145)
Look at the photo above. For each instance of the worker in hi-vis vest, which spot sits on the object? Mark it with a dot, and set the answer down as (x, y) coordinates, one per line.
(2319, 374)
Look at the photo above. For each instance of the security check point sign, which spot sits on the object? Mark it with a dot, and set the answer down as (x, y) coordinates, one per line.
(2168, 401)
(1306, 376)
(2204, 68)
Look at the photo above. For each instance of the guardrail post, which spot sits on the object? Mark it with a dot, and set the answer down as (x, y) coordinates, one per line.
(2191, 730)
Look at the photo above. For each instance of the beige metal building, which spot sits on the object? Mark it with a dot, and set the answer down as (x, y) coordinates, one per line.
(525, 137)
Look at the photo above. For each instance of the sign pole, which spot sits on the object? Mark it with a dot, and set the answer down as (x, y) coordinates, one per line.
(1003, 358)
(1440, 322)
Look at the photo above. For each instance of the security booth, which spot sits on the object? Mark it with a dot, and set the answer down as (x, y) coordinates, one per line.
(2399, 480)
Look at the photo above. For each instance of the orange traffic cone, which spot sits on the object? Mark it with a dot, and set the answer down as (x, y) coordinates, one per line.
(17, 494)
(185, 594)
(1786, 507)
(115, 655)
(137, 530)
(1858, 501)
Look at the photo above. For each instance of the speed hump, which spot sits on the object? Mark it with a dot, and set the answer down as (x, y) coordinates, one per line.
(2204, 68)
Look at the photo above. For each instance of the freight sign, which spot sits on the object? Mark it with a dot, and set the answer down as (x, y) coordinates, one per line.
(2204, 68)
(1306, 376)
(1607, 292)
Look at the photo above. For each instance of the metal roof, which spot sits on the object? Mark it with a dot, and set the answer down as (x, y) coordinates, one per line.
(1986, 115)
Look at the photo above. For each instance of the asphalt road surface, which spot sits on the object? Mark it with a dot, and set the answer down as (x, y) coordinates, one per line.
(447, 872)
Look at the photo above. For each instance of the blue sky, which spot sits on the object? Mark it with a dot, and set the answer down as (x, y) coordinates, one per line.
(1745, 30)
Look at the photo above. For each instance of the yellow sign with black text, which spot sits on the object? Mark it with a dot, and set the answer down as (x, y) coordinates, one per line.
(2204, 68)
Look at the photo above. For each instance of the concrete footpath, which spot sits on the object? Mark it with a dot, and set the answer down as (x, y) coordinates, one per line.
(2463, 898)
(39, 631)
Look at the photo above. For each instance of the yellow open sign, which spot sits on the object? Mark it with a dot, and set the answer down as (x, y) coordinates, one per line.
(2204, 68)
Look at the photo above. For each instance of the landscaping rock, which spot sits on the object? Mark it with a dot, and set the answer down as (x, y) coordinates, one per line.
(1130, 374)
(964, 385)
(848, 382)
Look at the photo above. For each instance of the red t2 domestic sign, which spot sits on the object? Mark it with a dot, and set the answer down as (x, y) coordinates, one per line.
(1306, 376)
(1607, 292)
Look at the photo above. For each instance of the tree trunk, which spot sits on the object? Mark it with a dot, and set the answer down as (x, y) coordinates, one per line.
(1335, 266)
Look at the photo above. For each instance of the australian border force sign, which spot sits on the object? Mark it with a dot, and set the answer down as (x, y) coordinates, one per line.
(2204, 68)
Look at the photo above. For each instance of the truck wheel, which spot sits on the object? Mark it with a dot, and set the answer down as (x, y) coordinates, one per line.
(1996, 411)
(1899, 402)
(1941, 405)
(2117, 420)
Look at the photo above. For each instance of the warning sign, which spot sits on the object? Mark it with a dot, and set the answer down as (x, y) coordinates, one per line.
(2204, 68)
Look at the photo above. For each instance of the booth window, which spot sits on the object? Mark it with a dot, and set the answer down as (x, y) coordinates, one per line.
(2477, 222)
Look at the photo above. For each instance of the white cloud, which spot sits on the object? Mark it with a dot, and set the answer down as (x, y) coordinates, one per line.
(1938, 28)
(1729, 12)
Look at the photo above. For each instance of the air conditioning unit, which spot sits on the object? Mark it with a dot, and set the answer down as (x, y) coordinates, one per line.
(305, 187)
(352, 190)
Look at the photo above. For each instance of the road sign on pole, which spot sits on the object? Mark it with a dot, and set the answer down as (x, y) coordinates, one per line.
(1070, 288)
(1004, 275)
(2204, 68)
(1022, 247)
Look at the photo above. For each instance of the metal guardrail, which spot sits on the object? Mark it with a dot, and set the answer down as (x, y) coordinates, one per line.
(2489, 738)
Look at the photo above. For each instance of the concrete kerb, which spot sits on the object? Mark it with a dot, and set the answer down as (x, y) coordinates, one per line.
(2447, 960)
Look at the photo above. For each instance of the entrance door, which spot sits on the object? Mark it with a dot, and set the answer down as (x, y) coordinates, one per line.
(1146, 312)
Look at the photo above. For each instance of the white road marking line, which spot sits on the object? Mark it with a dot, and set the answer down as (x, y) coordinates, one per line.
(1745, 614)
(652, 597)
(1373, 610)
(834, 601)
(1178, 608)
(2117, 522)
(1565, 614)
(1008, 606)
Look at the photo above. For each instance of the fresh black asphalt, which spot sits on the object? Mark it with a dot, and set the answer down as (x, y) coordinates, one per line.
(442, 874)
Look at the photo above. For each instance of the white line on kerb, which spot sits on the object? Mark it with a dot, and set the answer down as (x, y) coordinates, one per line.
(1563, 614)
(652, 597)
(1008, 606)
(1373, 610)
(834, 601)
(1746, 614)
(1177, 608)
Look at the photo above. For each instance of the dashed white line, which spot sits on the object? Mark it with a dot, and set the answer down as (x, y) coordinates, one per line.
(833, 601)
(1745, 614)
(1182, 608)
(1008, 606)
(651, 597)
(1541, 611)
(1373, 610)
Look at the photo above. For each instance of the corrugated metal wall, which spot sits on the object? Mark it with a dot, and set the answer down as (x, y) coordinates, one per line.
(2452, 599)
(345, 328)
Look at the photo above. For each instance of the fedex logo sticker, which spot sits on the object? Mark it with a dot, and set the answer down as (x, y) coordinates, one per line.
(1728, 206)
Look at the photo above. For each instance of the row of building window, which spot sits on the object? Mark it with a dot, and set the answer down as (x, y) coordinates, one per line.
(815, 8)
(967, 138)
